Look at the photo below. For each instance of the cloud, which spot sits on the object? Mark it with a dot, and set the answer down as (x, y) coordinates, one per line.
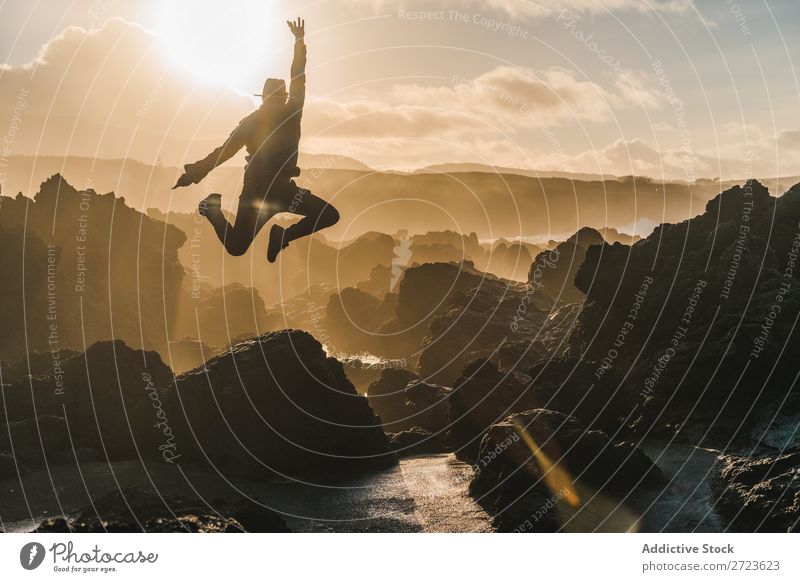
(635, 156)
(531, 8)
(112, 92)
(380, 119)
(525, 97)
(789, 139)
(735, 158)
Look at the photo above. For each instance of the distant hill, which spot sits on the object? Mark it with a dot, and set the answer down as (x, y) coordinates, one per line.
(493, 206)
(487, 169)
(25, 173)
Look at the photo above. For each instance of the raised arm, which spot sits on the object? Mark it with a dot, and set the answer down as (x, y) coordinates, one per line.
(297, 85)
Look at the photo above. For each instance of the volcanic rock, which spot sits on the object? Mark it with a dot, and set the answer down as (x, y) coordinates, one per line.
(275, 404)
(553, 271)
(416, 441)
(451, 314)
(696, 316)
(482, 397)
(387, 397)
(538, 456)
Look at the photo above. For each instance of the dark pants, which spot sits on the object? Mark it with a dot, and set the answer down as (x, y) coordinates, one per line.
(256, 208)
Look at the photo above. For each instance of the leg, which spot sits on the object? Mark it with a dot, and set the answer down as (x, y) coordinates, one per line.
(250, 219)
(317, 214)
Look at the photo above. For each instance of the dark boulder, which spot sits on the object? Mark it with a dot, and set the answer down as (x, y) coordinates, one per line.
(482, 397)
(428, 405)
(450, 314)
(275, 404)
(416, 441)
(110, 396)
(571, 386)
(387, 397)
(530, 462)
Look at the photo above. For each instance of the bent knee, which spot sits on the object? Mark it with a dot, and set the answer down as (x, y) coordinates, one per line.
(329, 216)
(236, 249)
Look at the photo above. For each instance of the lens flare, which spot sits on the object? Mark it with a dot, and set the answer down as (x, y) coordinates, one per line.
(555, 477)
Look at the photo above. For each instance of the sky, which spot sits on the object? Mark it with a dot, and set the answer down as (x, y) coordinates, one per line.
(675, 89)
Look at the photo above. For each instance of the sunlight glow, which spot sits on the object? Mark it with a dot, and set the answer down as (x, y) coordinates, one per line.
(233, 42)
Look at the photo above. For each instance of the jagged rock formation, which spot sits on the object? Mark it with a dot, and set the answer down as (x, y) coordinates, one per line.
(93, 269)
(697, 316)
(402, 401)
(553, 271)
(381, 281)
(612, 235)
(530, 462)
(511, 260)
(275, 404)
(105, 402)
(137, 510)
(452, 314)
(569, 385)
(24, 272)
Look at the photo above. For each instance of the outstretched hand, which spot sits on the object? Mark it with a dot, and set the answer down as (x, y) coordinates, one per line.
(189, 177)
(298, 28)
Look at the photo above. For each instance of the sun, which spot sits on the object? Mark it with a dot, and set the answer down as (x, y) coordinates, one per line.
(230, 41)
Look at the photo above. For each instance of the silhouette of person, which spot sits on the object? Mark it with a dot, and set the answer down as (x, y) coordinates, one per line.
(271, 135)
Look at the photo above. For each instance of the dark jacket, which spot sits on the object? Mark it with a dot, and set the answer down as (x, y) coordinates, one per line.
(271, 134)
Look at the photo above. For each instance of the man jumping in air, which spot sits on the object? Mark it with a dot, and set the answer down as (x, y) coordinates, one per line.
(271, 135)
